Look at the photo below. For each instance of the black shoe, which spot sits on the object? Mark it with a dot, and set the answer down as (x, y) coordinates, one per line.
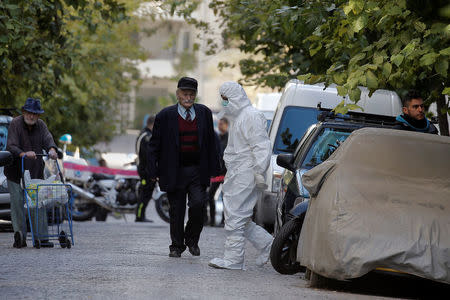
(175, 253)
(143, 220)
(46, 244)
(194, 250)
(18, 239)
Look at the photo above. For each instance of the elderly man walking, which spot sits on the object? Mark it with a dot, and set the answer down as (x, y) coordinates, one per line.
(27, 136)
(182, 155)
(246, 157)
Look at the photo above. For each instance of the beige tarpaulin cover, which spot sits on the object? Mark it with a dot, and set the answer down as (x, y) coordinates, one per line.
(381, 200)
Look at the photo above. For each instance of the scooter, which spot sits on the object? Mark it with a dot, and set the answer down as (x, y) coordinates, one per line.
(283, 254)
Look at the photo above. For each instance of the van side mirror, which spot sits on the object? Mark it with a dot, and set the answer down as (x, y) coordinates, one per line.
(6, 158)
(286, 161)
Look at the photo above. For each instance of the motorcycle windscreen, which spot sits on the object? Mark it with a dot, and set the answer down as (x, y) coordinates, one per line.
(382, 200)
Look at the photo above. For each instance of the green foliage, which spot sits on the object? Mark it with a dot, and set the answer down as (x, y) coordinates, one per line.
(151, 105)
(187, 61)
(166, 101)
(384, 44)
(73, 54)
(272, 32)
(396, 45)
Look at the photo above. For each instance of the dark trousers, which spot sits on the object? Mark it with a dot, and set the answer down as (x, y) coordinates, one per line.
(145, 194)
(188, 184)
(212, 204)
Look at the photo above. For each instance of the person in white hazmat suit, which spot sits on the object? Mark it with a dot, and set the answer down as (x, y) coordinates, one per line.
(246, 157)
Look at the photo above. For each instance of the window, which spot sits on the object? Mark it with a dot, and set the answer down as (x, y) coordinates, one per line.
(326, 143)
(3, 136)
(293, 124)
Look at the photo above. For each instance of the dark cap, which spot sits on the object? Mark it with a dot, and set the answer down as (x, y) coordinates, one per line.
(187, 83)
(33, 106)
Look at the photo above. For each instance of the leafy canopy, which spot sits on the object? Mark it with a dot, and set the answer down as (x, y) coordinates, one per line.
(395, 45)
(73, 54)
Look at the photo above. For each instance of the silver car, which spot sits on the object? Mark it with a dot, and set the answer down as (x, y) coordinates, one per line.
(5, 210)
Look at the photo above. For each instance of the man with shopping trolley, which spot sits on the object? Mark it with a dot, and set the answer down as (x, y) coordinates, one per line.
(27, 136)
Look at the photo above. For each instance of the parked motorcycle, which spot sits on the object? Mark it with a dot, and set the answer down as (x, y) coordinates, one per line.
(283, 253)
(113, 193)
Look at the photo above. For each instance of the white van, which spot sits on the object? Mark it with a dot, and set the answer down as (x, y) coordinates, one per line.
(296, 111)
(267, 103)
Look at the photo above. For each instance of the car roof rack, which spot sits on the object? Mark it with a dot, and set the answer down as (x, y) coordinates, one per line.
(355, 117)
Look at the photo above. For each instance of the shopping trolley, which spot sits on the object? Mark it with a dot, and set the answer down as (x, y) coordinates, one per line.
(48, 206)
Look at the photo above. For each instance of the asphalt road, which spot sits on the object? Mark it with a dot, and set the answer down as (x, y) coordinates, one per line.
(121, 259)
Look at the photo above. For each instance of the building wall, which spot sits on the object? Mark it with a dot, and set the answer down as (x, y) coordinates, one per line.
(169, 41)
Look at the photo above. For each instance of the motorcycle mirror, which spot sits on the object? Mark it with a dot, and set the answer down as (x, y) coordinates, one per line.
(6, 158)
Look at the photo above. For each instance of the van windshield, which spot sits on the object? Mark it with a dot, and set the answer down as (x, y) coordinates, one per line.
(293, 124)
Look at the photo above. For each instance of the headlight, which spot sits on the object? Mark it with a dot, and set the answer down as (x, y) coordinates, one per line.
(276, 182)
(120, 183)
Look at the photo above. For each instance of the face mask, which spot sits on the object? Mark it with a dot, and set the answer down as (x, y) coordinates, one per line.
(225, 103)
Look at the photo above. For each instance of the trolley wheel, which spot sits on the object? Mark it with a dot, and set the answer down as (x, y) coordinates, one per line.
(37, 244)
(68, 243)
(62, 239)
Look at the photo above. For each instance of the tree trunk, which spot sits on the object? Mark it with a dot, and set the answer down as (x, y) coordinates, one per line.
(442, 116)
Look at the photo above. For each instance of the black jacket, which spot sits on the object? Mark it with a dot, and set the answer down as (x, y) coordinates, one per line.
(223, 141)
(164, 148)
(404, 122)
(142, 144)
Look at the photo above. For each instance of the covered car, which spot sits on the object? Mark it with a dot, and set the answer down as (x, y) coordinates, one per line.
(382, 200)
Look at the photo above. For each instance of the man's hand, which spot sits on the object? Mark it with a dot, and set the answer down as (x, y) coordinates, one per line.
(52, 154)
(29, 154)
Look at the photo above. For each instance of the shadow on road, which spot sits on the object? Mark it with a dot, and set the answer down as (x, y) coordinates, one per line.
(399, 286)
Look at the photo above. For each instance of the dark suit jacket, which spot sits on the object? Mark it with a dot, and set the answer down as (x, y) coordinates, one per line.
(164, 148)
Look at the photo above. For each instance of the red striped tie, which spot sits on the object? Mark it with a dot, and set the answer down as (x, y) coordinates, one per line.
(188, 115)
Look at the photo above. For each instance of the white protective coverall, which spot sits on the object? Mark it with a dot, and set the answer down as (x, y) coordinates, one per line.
(246, 157)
